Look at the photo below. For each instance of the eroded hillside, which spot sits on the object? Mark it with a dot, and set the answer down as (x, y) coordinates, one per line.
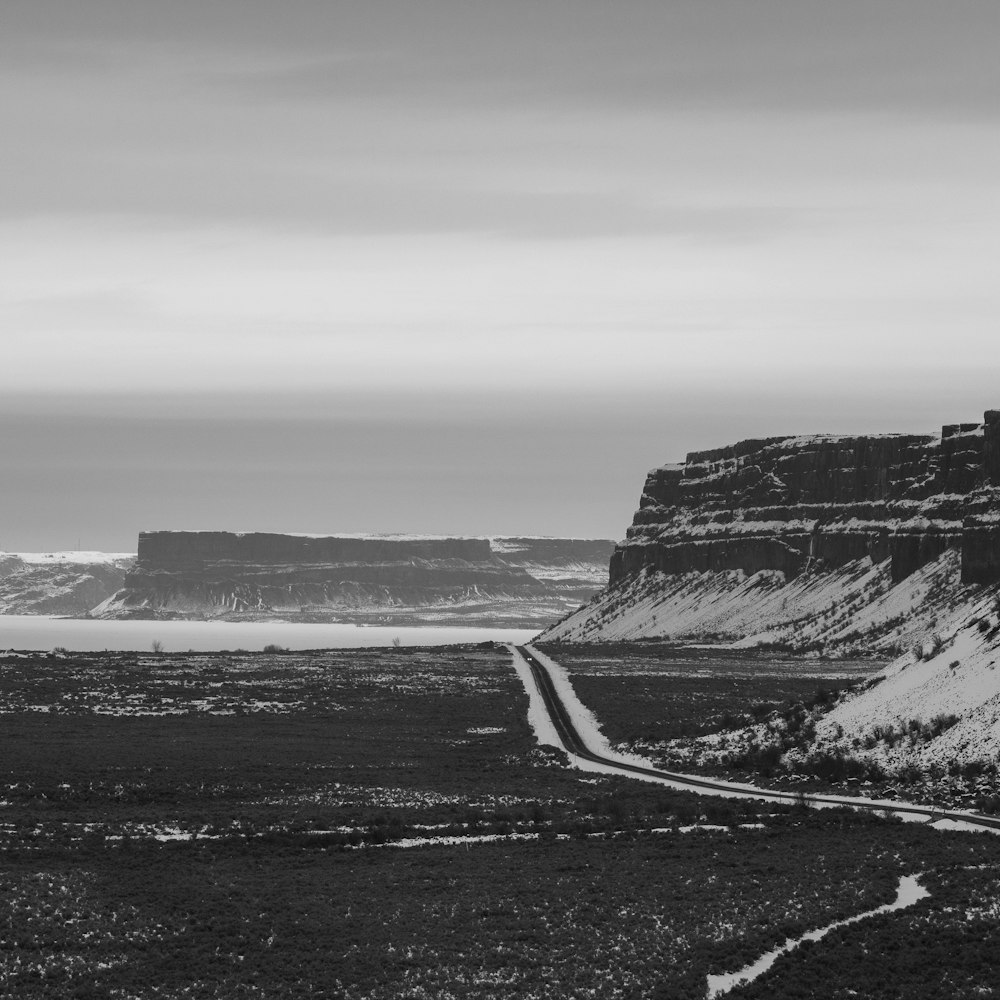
(59, 583)
(839, 546)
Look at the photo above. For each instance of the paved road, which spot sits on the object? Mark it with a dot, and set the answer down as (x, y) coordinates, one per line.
(575, 744)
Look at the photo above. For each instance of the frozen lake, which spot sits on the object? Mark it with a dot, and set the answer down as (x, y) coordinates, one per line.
(41, 632)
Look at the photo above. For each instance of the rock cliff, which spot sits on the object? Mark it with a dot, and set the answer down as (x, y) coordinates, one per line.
(802, 540)
(404, 579)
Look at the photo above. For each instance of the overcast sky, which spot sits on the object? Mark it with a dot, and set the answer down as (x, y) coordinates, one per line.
(475, 267)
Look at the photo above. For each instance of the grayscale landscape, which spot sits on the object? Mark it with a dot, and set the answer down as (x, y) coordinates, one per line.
(499, 501)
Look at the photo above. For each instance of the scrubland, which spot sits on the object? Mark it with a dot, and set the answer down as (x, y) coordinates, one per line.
(381, 824)
(772, 717)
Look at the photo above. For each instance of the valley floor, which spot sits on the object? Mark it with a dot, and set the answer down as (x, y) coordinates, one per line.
(384, 824)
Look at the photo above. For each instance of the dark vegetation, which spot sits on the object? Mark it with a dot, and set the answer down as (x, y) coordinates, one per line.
(219, 826)
(662, 691)
(251, 741)
(941, 949)
(581, 917)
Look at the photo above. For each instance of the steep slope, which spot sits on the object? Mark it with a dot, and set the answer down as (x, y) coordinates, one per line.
(59, 583)
(524, 581)
(854, 609)
(810, 542)
(888, 545)
(949, 682)
(926, 727)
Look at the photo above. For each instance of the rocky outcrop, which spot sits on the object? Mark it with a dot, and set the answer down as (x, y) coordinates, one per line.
(981, 548)
(59, 583)
(815, 508)
(793, 503)
(213, 574)
(991, 447)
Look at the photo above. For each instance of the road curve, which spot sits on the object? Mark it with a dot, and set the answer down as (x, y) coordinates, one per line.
(575, 744)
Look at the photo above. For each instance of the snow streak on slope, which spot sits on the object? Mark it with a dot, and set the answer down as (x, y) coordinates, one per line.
(57, 583)
(956, 673)
(940, 696)
(854, 607)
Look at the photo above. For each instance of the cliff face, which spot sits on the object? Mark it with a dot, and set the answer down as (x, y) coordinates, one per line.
(791, 503)
(813, 509)
(574, 567)
(196, 551)
(520, 581)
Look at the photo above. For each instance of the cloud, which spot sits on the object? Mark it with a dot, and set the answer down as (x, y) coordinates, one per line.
(870, 56)
(723, 121)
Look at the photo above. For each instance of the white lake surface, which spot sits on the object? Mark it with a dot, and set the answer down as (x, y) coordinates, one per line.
(45, 633)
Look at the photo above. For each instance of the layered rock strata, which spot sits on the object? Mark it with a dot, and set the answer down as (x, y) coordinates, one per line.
(716, 532)
(794, 503)
(326, 577)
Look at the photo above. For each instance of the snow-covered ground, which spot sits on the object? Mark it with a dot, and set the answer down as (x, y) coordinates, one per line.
(956, 672)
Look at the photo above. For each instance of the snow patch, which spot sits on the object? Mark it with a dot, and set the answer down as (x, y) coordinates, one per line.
(910, 891)
(52, 558)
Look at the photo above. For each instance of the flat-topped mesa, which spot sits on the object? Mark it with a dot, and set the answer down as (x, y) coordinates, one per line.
(809, 502)
(211, 574)
(197, 550)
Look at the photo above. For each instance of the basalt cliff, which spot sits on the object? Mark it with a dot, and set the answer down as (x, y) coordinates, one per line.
(818, 542)
(515, 581)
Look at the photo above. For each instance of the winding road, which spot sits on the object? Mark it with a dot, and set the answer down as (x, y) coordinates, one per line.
(574, 744)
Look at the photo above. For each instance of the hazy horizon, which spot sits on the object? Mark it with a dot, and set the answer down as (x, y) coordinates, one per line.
(469, 269)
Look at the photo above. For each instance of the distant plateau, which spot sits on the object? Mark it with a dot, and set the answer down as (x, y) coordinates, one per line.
(501, 581)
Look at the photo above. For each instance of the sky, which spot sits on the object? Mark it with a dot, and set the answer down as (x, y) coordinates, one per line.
(470, 267)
